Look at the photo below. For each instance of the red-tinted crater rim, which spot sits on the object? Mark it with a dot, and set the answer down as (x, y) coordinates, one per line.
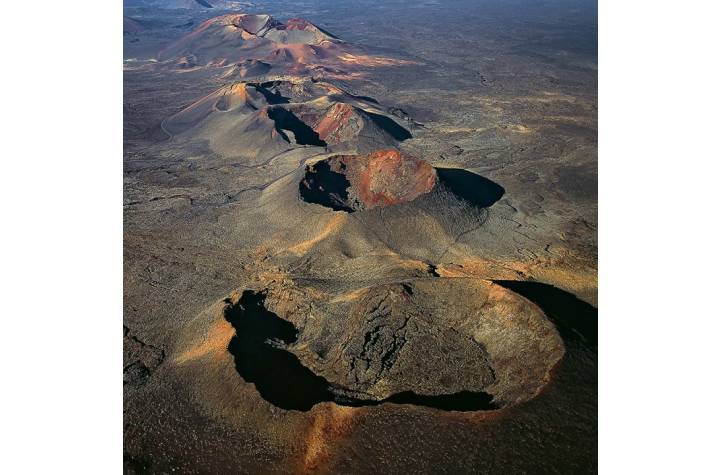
(357, 182)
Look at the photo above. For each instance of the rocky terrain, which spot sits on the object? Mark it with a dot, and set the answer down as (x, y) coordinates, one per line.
(360, 237)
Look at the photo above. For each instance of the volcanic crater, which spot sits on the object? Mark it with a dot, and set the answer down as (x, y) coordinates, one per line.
(388, 177)
(451, 344)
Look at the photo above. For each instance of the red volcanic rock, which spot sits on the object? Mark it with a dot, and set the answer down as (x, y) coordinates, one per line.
(387, 177)
(334, 125)
(342, 123)
(375, 180)
(299, 24)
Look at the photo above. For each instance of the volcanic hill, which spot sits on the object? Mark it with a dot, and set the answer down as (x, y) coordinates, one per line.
(263, 118)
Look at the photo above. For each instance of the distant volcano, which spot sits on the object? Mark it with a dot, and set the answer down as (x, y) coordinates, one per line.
(192, 4)
(236, 37)
(294, 47)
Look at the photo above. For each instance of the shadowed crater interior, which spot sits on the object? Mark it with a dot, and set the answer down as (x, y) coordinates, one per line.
(271, 95)
(260, 349)
(287, 121)
(325, 187)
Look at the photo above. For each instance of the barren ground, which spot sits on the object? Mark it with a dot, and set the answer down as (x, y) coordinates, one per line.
(252, 342)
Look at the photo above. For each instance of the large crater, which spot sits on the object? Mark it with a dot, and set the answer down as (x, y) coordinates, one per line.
(374, 180)
(454, 344)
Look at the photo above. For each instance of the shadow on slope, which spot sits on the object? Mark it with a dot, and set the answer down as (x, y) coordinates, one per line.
(475, 189)
(272, 97)
(575, 320)
(394, 129)
(304, 134)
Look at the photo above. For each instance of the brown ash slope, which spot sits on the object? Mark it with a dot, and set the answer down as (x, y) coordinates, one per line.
(247, 69)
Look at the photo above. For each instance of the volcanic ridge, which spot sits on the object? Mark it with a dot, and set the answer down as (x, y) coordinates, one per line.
(388, 334)
(265, 118)
(449, 343)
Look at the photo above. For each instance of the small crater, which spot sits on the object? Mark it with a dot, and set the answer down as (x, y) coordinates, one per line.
(388, 177)
(357, 182)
